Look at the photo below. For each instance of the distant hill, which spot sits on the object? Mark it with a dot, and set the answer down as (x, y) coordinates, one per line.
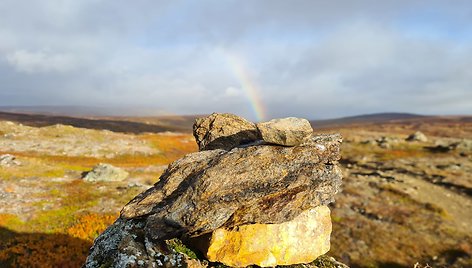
(183, 123)
(75, 111)
(121, 124)
(433, 125)
(365, 119)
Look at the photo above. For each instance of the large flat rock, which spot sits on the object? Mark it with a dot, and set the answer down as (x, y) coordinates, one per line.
(208, 190)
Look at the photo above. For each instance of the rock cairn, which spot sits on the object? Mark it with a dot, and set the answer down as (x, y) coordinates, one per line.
(255, 194)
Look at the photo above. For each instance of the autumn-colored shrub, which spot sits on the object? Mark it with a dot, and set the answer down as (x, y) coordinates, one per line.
(43, 250)
(177, 144)
(90, 225)
(8, 220)
(68, 249)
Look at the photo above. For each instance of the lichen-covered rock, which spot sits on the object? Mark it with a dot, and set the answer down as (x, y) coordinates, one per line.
(258, 184)
(124, 245)
(301, 240)
(288, 131)
(325, 261)
(105, 172)
(223, 131)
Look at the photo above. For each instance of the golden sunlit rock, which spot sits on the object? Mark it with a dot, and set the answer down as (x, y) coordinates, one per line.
(301, 240)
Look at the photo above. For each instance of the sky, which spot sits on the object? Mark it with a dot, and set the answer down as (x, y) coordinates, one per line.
(259, 59)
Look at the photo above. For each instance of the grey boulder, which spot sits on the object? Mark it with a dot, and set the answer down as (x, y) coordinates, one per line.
(105, 172)
(417, 136)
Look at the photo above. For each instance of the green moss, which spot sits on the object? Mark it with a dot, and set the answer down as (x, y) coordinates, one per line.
(54, 220)
(79, 168)
(178, 246)
(335, 218)
(55, 192)
(324, 262)
(53, 173)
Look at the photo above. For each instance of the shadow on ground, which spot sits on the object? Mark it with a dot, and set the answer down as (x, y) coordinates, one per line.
(41, 250)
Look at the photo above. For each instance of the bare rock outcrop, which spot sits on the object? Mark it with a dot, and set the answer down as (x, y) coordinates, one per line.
(230, 187)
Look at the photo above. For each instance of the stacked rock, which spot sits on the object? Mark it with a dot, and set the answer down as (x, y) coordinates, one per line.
(255, 194)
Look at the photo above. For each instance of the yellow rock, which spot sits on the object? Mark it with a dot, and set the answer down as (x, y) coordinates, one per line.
(301, 240)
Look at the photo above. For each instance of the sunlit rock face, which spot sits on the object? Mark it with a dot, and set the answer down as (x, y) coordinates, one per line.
(223, 131)
(289, 131)
(300, 240)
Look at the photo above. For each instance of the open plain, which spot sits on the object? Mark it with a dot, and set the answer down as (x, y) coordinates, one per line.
(403, 201)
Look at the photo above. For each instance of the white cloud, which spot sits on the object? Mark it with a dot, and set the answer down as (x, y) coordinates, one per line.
(233, 92)
(41, 62)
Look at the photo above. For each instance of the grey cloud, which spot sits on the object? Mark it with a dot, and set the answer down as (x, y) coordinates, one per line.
(309, 58)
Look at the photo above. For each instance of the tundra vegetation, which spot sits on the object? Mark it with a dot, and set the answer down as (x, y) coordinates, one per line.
(403, 202)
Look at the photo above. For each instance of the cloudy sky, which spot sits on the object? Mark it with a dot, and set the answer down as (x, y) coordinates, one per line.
(259, 59)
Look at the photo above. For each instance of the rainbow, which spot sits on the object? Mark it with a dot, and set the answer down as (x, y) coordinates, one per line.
(248, 85)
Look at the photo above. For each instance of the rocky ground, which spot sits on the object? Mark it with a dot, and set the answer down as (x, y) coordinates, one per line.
(49, 209)
(403, 202)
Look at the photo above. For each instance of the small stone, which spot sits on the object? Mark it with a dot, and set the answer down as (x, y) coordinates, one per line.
(385, 142)
(105, 172)
(223, 131)
(464, 145)
(417, 136)
(301, 240)
(8, 160)
(290, 131)
(370, 142)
